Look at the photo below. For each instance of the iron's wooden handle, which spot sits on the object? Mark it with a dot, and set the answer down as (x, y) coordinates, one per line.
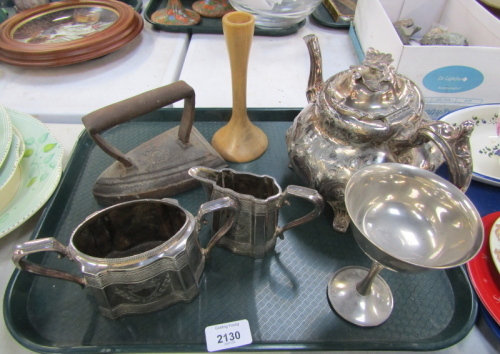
(123, 111)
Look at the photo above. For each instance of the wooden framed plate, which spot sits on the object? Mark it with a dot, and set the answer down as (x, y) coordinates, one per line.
(67, 32)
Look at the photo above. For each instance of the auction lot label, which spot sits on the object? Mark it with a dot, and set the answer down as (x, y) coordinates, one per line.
(228, 335)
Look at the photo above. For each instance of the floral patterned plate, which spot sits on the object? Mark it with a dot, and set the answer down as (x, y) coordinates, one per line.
(41, 168)
(10, 163)
(10, 175)
(485, 144)
(495, 243)
(5, 135)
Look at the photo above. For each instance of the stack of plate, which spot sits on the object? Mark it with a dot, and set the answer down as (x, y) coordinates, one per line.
(484, 269)
(30, 167)
(484, 272)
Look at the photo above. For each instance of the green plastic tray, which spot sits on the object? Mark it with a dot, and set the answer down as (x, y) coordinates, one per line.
(209, 25)
(283, 296)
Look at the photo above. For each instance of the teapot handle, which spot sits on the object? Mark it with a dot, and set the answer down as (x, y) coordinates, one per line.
(48, 244)
(454, 144)
(232, 207)
(302, 192)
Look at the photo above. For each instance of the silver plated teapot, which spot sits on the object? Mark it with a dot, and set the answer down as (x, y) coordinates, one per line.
(365, 115)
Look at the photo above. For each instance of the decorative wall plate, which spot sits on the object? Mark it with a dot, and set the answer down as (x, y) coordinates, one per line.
(67, 32)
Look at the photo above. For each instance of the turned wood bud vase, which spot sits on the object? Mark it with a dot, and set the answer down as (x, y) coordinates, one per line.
(239, 140)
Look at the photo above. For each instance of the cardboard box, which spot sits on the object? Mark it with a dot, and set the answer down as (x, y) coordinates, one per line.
(450, 77)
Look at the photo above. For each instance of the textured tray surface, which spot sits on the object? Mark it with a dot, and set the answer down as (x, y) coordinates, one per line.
(283, 296)
(208, 25)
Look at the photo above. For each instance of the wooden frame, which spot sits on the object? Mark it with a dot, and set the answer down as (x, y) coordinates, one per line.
(67, 32)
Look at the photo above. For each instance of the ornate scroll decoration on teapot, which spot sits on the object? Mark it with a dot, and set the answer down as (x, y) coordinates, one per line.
(365, 103)
(366, 115)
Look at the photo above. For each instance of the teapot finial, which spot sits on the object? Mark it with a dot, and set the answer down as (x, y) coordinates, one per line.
(316, 71)
(376, 68)
(377, 60)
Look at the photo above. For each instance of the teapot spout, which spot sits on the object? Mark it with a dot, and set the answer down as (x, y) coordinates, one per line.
(316, 69)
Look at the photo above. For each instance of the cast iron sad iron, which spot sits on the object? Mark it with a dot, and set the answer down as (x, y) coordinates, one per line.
(159, 167)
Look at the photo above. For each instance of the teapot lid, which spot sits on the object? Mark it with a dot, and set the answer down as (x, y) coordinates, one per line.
(372, 89)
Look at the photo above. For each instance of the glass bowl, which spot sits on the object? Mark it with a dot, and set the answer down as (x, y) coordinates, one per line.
(274, 14)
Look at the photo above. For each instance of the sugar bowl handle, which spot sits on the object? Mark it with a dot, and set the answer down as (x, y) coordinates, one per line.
(302, 192)
(231, 205)
(48, 244)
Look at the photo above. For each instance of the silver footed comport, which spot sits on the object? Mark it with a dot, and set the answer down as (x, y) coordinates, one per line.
(405, 219)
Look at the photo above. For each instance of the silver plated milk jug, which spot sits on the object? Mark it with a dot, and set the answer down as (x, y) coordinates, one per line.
(260, 198)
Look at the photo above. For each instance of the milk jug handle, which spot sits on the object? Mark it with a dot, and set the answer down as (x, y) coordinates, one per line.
(302, 192)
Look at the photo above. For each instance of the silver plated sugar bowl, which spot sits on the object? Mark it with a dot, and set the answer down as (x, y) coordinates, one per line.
(365, 115)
